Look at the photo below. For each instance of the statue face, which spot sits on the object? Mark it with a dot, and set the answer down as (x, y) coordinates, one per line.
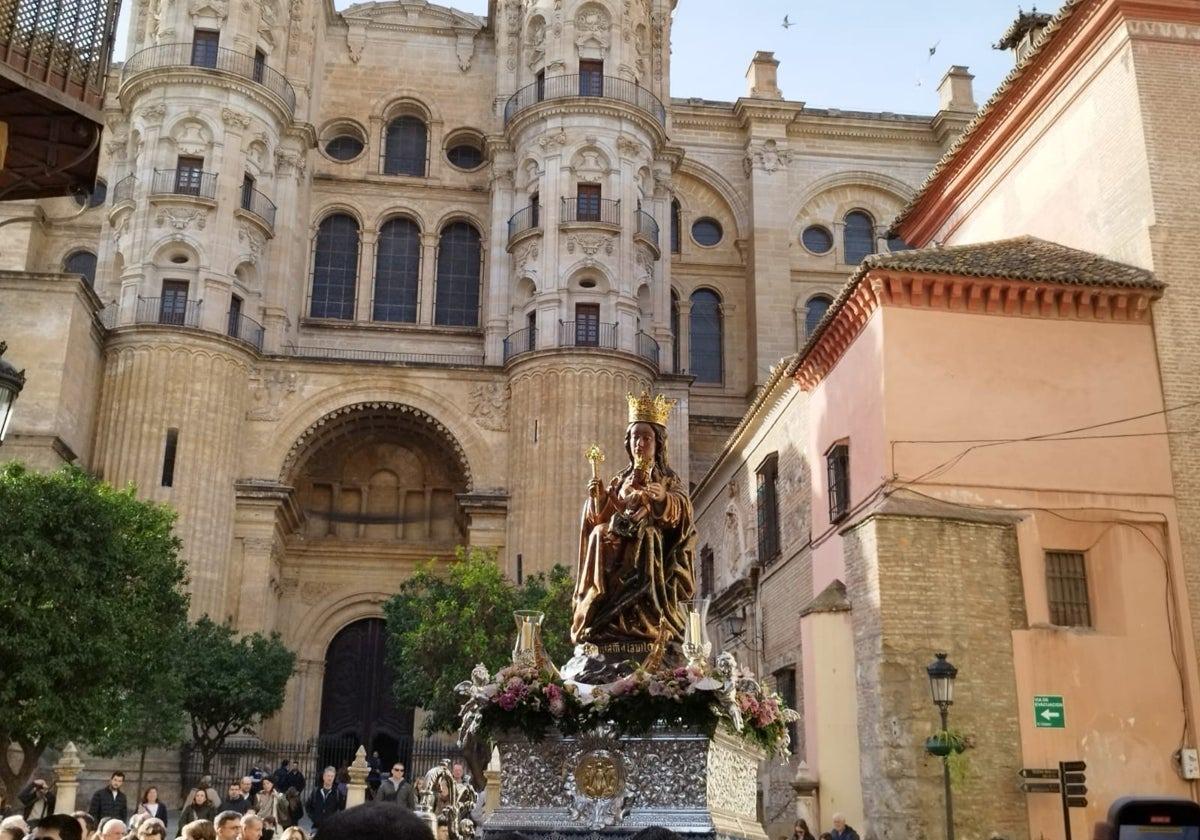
(642, 441)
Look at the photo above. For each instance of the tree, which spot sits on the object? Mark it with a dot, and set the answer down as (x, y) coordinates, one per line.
(91, 585)
(230, 684)
(443, 622)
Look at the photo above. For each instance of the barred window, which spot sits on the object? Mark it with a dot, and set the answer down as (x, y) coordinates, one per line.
(858, 238)
(837, 463)
(705, 334)
(1067, 589)
(404, 147)
(459, 253)
(397, 272)
(335, 268)
(814, 311)
(768, 509)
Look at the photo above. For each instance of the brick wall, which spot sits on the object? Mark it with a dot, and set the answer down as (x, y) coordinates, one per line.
(918, 586)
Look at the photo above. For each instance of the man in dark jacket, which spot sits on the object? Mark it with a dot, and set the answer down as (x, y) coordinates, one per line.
(324, 800)
(37, 801)
(396, 788)
(236, 800)
(841, 831)
(109, 801)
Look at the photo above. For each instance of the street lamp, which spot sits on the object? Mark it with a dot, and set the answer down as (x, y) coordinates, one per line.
(11, 383)
(941, 688)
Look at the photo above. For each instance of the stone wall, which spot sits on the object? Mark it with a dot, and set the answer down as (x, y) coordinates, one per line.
(919, 586)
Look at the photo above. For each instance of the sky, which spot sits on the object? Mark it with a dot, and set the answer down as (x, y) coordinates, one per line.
(857, 55)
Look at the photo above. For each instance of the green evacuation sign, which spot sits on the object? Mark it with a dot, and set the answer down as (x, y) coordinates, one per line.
(1048, 711)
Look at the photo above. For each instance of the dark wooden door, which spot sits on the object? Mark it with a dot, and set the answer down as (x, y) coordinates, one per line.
(587, 324)
(587, 203)
(591, 78)
(172, 307)
(356, 698)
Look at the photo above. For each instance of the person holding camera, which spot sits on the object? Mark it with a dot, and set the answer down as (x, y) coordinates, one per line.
(37, 799)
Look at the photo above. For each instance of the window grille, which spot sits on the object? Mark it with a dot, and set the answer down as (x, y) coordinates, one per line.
(705, 335)
(397, 272)
(456, 302)
(1067, 589)
(814, 311)
(405, 147)
(768, 510)
(858, 238)
(335, 268)
(837, 462)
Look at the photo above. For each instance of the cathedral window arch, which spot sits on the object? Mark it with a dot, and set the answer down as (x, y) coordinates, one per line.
(706, 330)
(676, 336)
(335, 267)
(676, 227)
(459, 269)
(81, 262)
(814, 310)
(858, 236)
(397, 271)
(406, 146)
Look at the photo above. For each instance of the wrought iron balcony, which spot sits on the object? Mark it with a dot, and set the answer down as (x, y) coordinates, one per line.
(124, 189)
(606, 211)
(587, 334)
(184, 182)
(245, 328)
(55, 56)
(527, 218)
(174, 311)
(647, 226)
(522, 341)
(385, 356)
(647, 348)
(585, 85)
(256, 203)
(249, 67)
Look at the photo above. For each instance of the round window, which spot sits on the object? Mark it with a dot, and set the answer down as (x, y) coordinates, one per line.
(707, 232)
(94, 197)
(465, 156)
(344, 147)
(817, 239)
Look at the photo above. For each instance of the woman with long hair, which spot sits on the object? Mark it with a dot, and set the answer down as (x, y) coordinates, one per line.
(151, 806)
(199, 808)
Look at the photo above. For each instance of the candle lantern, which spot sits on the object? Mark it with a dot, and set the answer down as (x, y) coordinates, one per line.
(527, 650)
(696, 646)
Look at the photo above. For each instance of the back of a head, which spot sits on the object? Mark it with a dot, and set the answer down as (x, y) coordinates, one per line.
(199, 830)
(67, 826)
(13, 833)
(656, 832)
(375, 821)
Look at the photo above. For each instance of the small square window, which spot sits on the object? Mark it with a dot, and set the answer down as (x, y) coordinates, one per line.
(1067, 589)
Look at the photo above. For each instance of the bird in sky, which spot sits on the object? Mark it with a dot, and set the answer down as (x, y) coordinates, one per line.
(787, 24)
(932, 49)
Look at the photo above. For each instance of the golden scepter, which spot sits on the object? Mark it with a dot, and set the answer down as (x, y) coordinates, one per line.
(596, 457)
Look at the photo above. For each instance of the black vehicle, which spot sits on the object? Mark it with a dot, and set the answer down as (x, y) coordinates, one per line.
(1153, 818)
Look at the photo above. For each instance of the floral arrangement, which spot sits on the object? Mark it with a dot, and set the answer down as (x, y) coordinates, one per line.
(701, 697)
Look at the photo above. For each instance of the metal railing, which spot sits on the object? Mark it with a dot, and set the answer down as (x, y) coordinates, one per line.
(604, 210)
(124, 189)
(647, 226)
(184, 182)
(362, 355)
(524, 219)
(587, 334)
(170, 310)
(245, 328)
(109, 314)
(522, 341)
(647, 348)
(239, 64)
(64, 44)
(585, 85)
(255, 202)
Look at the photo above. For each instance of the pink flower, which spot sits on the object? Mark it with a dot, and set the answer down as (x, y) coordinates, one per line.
(507, 701)
(623, 686)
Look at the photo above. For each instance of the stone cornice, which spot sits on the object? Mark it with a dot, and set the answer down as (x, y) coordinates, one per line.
(598, 106)
(138, 83)
(968, 295)
(746, 111)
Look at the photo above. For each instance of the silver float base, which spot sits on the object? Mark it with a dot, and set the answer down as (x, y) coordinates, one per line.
(596, 786)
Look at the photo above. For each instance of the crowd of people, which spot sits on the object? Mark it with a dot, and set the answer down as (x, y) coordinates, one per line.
(840, 831)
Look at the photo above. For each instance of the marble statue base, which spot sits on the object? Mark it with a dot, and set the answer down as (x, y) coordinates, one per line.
(597, 786)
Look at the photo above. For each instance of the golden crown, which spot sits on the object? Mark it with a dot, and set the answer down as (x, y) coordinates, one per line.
(647, 409)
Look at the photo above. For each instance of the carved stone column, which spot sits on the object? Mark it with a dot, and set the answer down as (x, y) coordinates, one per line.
(67, 772)
(356, 791)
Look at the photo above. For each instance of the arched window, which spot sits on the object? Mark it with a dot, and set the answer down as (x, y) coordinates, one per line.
(82, 262)
(705, 336)
(814, 311)
(397, 272)
(457, 300)
(676, 216)
(404, 147)
(675, 331)
(858, 238)
(335, 268)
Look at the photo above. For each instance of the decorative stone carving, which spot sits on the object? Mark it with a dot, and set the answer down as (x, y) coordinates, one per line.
(289, 163)
(153, 113)
(218, 9)
(553, 138)
(465, 50)
(644, 271)
(182, 218)
(312, 591)
(268, 393)
(590, 243)
(235, 119)
(356, 39)
(252, 240)
(592, 26)
(629, 147)
(489, 406)
(525, 260)
(768, 158)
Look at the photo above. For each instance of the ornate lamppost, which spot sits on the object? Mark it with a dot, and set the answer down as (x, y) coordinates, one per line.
(11, 383)
(941, 687)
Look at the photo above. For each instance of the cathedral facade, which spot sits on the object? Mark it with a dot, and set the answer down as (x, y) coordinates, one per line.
(360, 286)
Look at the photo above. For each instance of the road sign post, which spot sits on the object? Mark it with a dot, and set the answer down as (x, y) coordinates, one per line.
(1072, 784)
(1049, 711)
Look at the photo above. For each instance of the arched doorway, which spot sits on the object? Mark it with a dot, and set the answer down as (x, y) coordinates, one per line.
(356, 697)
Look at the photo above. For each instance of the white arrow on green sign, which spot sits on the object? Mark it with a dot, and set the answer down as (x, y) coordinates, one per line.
(1048, 711)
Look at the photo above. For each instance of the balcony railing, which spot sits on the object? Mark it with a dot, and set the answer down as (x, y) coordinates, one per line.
(239, 64)
(522, 341)
(63, 44)
(360, 355)
(174, 311)
(587, 334)
(525, 219)
(585, 85)
(647, 226)
(245, 328)
(259, 205)
(124, 189)
(184, 182)
(647, 348)
(604, 210)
